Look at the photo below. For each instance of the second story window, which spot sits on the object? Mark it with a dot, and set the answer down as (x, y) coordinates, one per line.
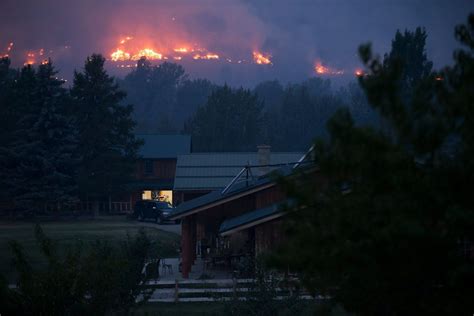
(148, 166)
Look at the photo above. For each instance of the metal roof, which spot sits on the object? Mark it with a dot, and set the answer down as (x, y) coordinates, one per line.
(237, 190)
(164, 146)
(251, 218)
(211, 171)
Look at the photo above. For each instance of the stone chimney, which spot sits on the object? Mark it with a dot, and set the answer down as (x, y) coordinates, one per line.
(263, 156)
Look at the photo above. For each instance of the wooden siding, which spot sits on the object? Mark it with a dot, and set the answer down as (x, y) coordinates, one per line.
(163, 169)
(268, 236)
(268, 197)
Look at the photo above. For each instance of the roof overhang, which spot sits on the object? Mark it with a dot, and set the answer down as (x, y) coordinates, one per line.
(251, 224)
(222, 201)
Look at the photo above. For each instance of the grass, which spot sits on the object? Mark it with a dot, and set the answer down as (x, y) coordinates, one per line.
(306, 308)
(67, 233)
(182, 309)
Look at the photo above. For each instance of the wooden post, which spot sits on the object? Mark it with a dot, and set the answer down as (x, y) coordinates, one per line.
(110, 203)
(186, 250)
(234, 286)
(176, 291)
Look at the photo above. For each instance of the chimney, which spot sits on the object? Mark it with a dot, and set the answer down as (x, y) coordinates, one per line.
(263, 156)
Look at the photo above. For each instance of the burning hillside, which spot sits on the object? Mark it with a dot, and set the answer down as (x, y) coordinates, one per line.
(131, 49)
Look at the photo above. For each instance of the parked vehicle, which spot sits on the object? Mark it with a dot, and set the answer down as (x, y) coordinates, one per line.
(156, 210)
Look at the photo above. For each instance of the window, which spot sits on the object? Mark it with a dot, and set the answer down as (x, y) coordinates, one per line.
(148, 166)
(146, 195)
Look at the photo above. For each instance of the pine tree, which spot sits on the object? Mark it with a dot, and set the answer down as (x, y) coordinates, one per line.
(45, 146)
(230, 120)
(386, 227)
(8, 121)
(107, 145)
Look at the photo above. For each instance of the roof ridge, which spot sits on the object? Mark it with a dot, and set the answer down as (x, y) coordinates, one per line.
(242, 152)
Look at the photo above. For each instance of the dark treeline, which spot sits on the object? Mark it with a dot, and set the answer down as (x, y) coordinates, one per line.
(63, 145)
(221, 118)
(59, 146)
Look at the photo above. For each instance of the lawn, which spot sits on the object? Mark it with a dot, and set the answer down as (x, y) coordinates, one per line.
(67, 233)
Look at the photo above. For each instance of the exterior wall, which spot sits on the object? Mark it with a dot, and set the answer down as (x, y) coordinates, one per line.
(183, 196)
(205, 225)
(163, 169)
(268, 197)
(268, 236)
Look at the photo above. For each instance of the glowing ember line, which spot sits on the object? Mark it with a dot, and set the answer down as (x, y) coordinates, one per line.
(181, 50)
(261, 59)
(323, 70)
(207, 56)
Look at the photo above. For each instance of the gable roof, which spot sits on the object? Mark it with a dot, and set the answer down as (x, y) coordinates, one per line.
(236, 191)
(211, 171)
(251, 219)
(164, 146)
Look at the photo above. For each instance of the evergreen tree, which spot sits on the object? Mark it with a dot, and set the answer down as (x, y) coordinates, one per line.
(42, 156)
(230, 120)
(107, 145)
(386, 227)
(9, 116)
(296, 127)
(409, 51)
(153, 90)
(191, 94)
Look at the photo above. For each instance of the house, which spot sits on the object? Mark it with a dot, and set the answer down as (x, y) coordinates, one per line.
(155, 172)
(200, 173)
(240, 221)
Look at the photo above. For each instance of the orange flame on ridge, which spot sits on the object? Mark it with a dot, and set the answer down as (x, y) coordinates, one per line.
(262, 59)
(324, 70)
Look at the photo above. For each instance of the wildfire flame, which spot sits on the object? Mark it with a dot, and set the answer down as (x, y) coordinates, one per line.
(181, 50)
(324, 70)
(207, 56)
(261, 59)
(127, 50)
(148, 53)
(120, 55)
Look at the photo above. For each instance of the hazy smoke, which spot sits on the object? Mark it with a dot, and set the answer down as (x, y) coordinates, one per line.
(296, 33)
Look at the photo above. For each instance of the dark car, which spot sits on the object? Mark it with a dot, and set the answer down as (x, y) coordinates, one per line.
(156, 210)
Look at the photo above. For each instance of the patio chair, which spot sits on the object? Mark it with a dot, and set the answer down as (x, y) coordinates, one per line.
(152, 269)
(166, 266)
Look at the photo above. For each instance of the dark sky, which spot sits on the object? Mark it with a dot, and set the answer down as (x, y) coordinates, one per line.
(296, 33)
